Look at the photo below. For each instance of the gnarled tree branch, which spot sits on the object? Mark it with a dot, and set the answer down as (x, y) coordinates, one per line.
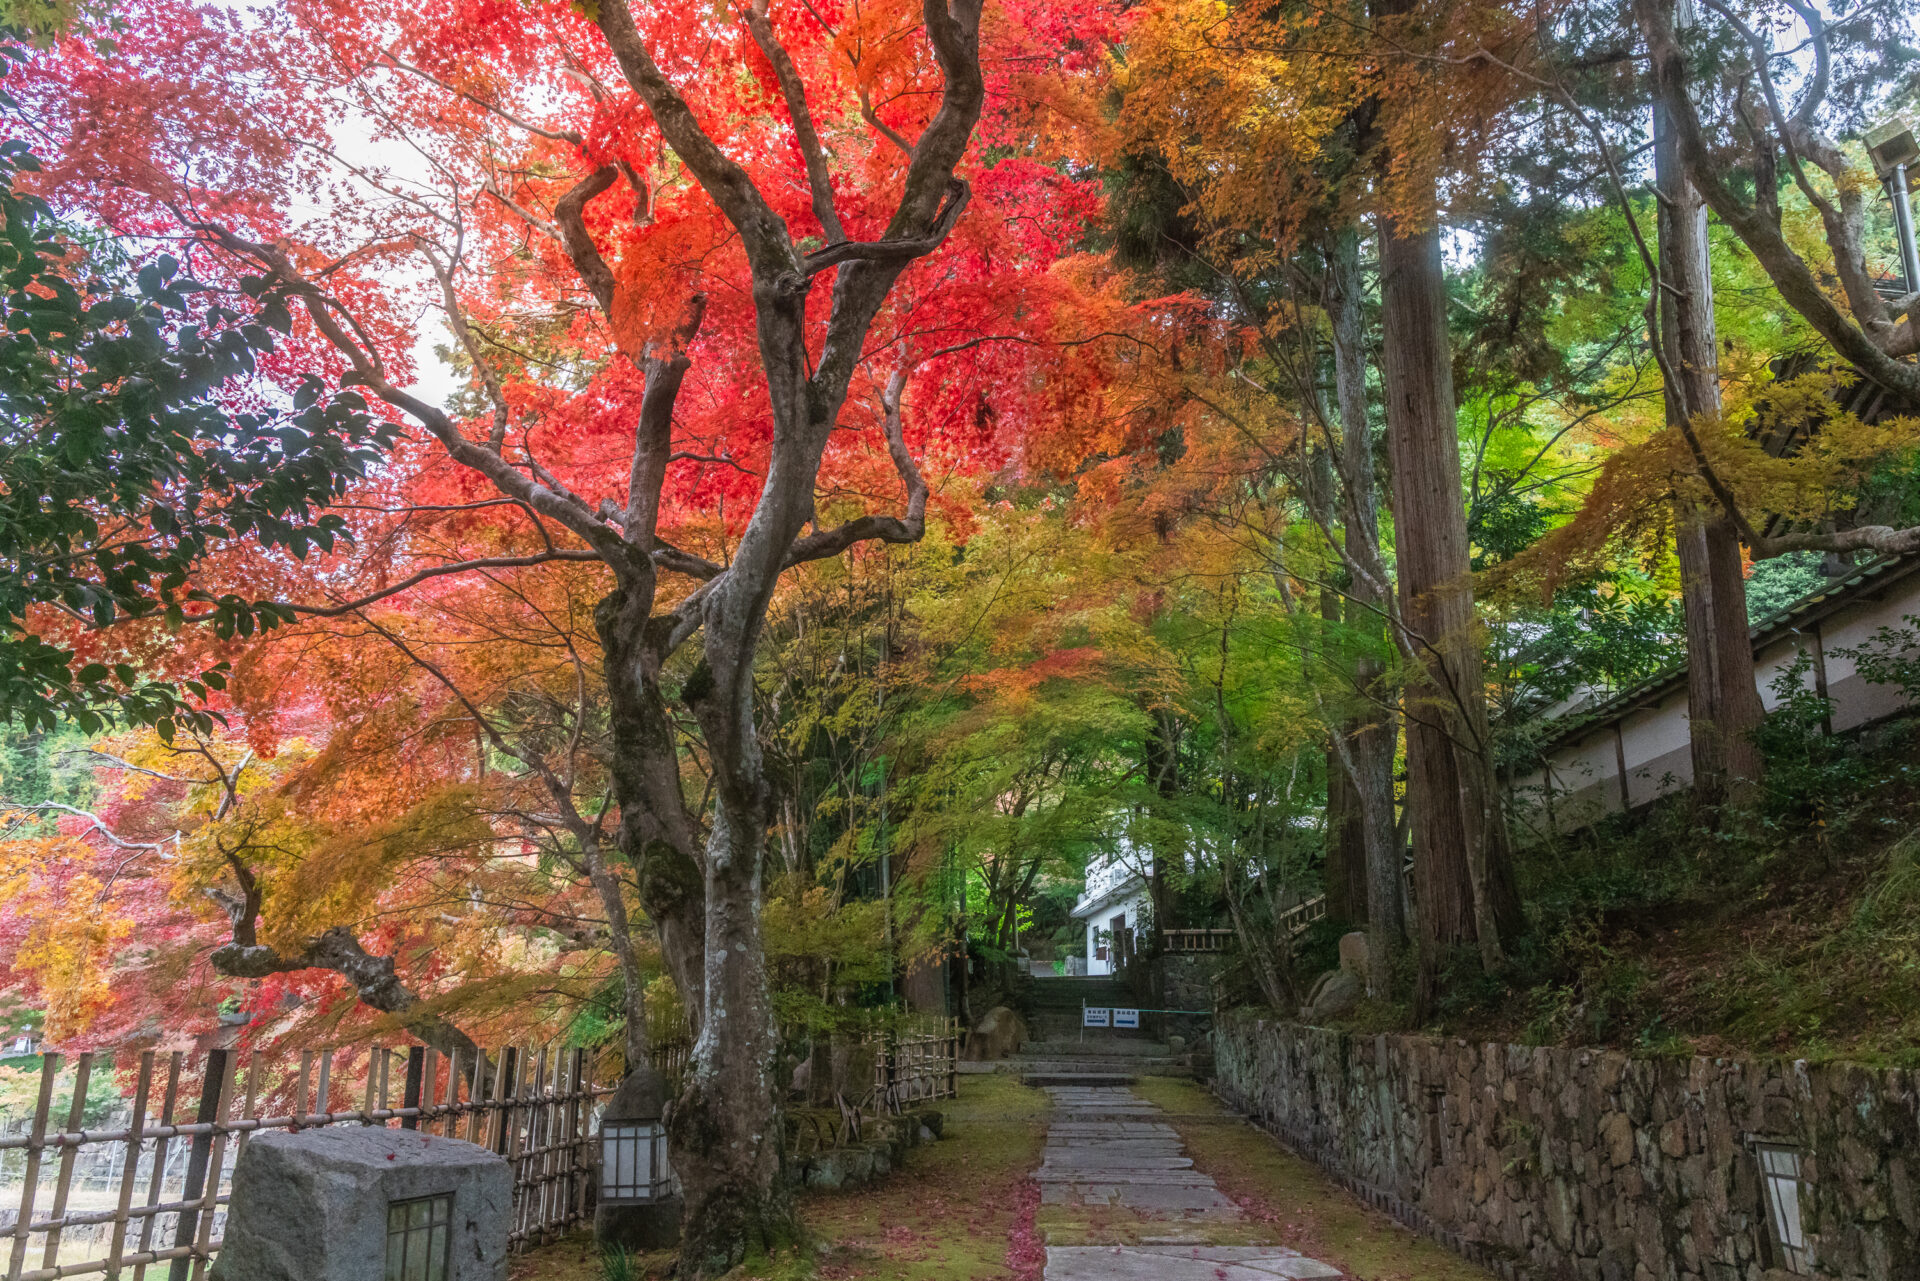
(819, 181)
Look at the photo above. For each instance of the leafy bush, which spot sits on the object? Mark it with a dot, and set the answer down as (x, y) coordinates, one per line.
(1891, 657)
(1811, 774)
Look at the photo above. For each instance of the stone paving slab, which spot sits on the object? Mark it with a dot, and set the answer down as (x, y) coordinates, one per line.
(1187, 1202)
(1180, 1263)
(1100, 1152)
(1065, 1163)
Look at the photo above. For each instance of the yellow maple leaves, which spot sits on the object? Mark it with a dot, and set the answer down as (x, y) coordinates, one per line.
(71, 934)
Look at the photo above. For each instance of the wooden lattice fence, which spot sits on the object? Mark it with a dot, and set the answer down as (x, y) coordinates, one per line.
(137, 1187)
(143, 1186)
(916, 1066)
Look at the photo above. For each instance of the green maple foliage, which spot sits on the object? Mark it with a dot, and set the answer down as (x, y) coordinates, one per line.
(127, 466)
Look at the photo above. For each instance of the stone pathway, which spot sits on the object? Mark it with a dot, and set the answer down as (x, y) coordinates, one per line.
(1106, 1149)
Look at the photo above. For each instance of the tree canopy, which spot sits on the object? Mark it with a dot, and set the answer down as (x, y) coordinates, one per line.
(898, 457)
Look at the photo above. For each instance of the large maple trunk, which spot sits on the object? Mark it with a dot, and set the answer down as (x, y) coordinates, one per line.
(1723, 704)
(1367, 759)
(1463, 888)
(726, 1125)
(705, 899)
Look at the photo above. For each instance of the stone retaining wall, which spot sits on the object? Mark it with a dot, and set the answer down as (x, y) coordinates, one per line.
(1546, 1163)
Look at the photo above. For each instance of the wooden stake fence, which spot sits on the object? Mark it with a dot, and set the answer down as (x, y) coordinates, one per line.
(149, 1187)
(145, 1191)
(917, 1066)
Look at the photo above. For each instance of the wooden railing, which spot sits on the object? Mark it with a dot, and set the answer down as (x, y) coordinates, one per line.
(149, 1185)
(1295, 920)
(1293, 923)
(1196, 940)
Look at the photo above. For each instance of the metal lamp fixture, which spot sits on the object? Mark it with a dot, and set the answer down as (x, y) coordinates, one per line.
(1894, 152)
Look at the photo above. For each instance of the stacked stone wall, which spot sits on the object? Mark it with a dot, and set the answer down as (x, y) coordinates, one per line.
(1180, 981)
(1546, 1163)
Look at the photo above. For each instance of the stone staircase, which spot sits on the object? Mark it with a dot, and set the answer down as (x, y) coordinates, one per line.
(1062, 1052)
(1054, 1005)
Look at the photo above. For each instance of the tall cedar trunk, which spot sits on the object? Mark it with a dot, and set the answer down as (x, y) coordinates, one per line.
(1346, 871)
(1368, 759)
(1345, 875)
(1723, 705)
(1463, 882)
(1163, 773)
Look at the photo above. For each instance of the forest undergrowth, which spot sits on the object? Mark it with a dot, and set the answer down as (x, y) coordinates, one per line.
(1788, 924)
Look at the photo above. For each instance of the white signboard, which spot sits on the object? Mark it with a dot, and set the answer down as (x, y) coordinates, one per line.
(1126, 1018)
(1091, 1017)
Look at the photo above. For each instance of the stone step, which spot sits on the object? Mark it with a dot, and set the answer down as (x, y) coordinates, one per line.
(1071, 1004)
(1062, 993)
(1120, 1046)
(1085, 1080)
(1096, 1067)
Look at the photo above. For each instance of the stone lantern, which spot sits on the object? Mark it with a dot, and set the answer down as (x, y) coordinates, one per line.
(639, 1206)
(365, 1203)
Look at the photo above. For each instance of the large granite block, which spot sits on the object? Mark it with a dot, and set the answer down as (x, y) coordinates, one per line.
(315, 1206)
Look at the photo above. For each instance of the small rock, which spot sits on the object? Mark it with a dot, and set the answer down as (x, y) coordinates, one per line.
(1617, 1130)
(828, 1170)
(1353, 953)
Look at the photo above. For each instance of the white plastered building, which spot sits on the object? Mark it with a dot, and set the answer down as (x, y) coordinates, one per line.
(1113, 909)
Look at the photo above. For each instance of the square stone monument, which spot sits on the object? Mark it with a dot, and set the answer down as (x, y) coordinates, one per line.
(364, 1203)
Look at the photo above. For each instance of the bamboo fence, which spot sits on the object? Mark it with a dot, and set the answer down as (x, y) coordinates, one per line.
(917, 1065)
(144, 1191)
(147, 1190)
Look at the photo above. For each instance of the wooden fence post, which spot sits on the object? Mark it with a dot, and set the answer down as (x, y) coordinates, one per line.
(210, 1196)
(130, 1171)
(36, 1139)
(188, 1223)
(76, 1116)
(155, 1183)
(416, 1063)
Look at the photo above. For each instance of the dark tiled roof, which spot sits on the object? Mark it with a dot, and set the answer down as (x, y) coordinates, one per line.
(1802, 613)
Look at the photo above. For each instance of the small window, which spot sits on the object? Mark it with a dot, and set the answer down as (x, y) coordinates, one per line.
(632, 1160)
(1780, 1173)
(420, 1239)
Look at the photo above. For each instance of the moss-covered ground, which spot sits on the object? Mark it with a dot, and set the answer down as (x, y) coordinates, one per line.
(960, 1209)
(964, 1209)
(1290, 1202)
